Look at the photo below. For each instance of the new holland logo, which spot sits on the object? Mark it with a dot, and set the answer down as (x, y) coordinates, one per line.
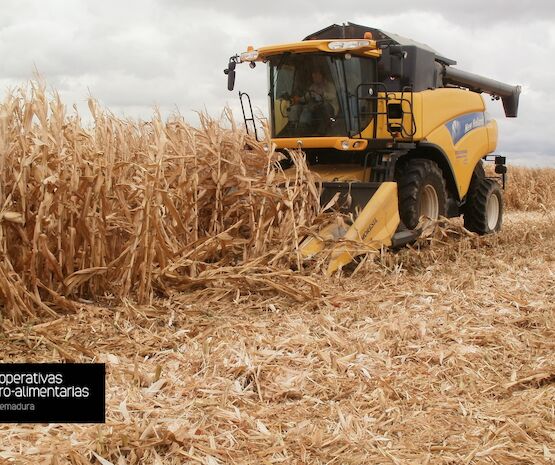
(462, 125)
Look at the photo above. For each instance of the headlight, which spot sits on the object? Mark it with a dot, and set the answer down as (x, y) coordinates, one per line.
(348, 44)
(249, 56)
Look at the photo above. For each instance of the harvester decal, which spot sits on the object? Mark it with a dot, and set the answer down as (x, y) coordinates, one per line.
(462, 125)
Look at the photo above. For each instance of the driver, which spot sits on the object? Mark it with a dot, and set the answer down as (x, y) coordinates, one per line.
(319, 104)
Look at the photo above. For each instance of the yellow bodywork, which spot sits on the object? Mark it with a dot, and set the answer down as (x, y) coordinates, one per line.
(341, 173)
(432, 109)
(321, 142)
(372, 229)
(307, 46)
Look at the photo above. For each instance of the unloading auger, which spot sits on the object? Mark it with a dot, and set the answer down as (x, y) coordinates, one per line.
(393, 130)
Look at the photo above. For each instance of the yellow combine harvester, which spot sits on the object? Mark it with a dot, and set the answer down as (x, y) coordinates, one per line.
(393, 130)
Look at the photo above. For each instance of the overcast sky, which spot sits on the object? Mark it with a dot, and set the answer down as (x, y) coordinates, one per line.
(134, 55)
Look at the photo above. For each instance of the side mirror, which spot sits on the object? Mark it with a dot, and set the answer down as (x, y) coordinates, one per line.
(230, 71)
(397, 56)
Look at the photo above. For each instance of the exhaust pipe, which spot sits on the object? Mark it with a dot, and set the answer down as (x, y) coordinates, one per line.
(509, 94)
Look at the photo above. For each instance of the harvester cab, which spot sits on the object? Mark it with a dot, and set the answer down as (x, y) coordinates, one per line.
(393, 130)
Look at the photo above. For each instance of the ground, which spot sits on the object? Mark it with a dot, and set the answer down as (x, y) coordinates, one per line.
(443, 355)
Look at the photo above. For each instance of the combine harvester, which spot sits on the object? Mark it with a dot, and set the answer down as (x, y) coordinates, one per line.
(394, 132)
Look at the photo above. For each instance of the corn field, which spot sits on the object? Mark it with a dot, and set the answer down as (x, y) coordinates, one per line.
(140, 209)
(130, 208)
(530, 189)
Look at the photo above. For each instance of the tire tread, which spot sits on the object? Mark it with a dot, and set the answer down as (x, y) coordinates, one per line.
(475, 214)
(410, 178)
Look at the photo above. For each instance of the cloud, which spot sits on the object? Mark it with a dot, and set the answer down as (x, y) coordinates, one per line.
(468, 13)
(134, 55)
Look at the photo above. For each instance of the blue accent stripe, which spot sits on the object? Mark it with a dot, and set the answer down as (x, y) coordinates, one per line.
(463, 124)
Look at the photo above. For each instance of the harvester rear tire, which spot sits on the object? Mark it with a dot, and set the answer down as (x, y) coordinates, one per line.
(483, 211)
(422, 191)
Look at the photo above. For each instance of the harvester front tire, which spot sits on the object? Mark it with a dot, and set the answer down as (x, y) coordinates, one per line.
(484, 208)
(422, 191)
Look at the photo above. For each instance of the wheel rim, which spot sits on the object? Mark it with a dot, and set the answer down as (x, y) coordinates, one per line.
(429, 203)
(492, 211)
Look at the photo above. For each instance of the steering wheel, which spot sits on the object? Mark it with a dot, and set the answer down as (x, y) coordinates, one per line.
(316, 97)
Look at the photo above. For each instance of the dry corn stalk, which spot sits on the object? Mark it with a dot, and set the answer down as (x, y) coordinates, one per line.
(129, 207)
(530, 189)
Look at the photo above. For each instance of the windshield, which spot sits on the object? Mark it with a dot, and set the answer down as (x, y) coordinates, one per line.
(316, 94)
